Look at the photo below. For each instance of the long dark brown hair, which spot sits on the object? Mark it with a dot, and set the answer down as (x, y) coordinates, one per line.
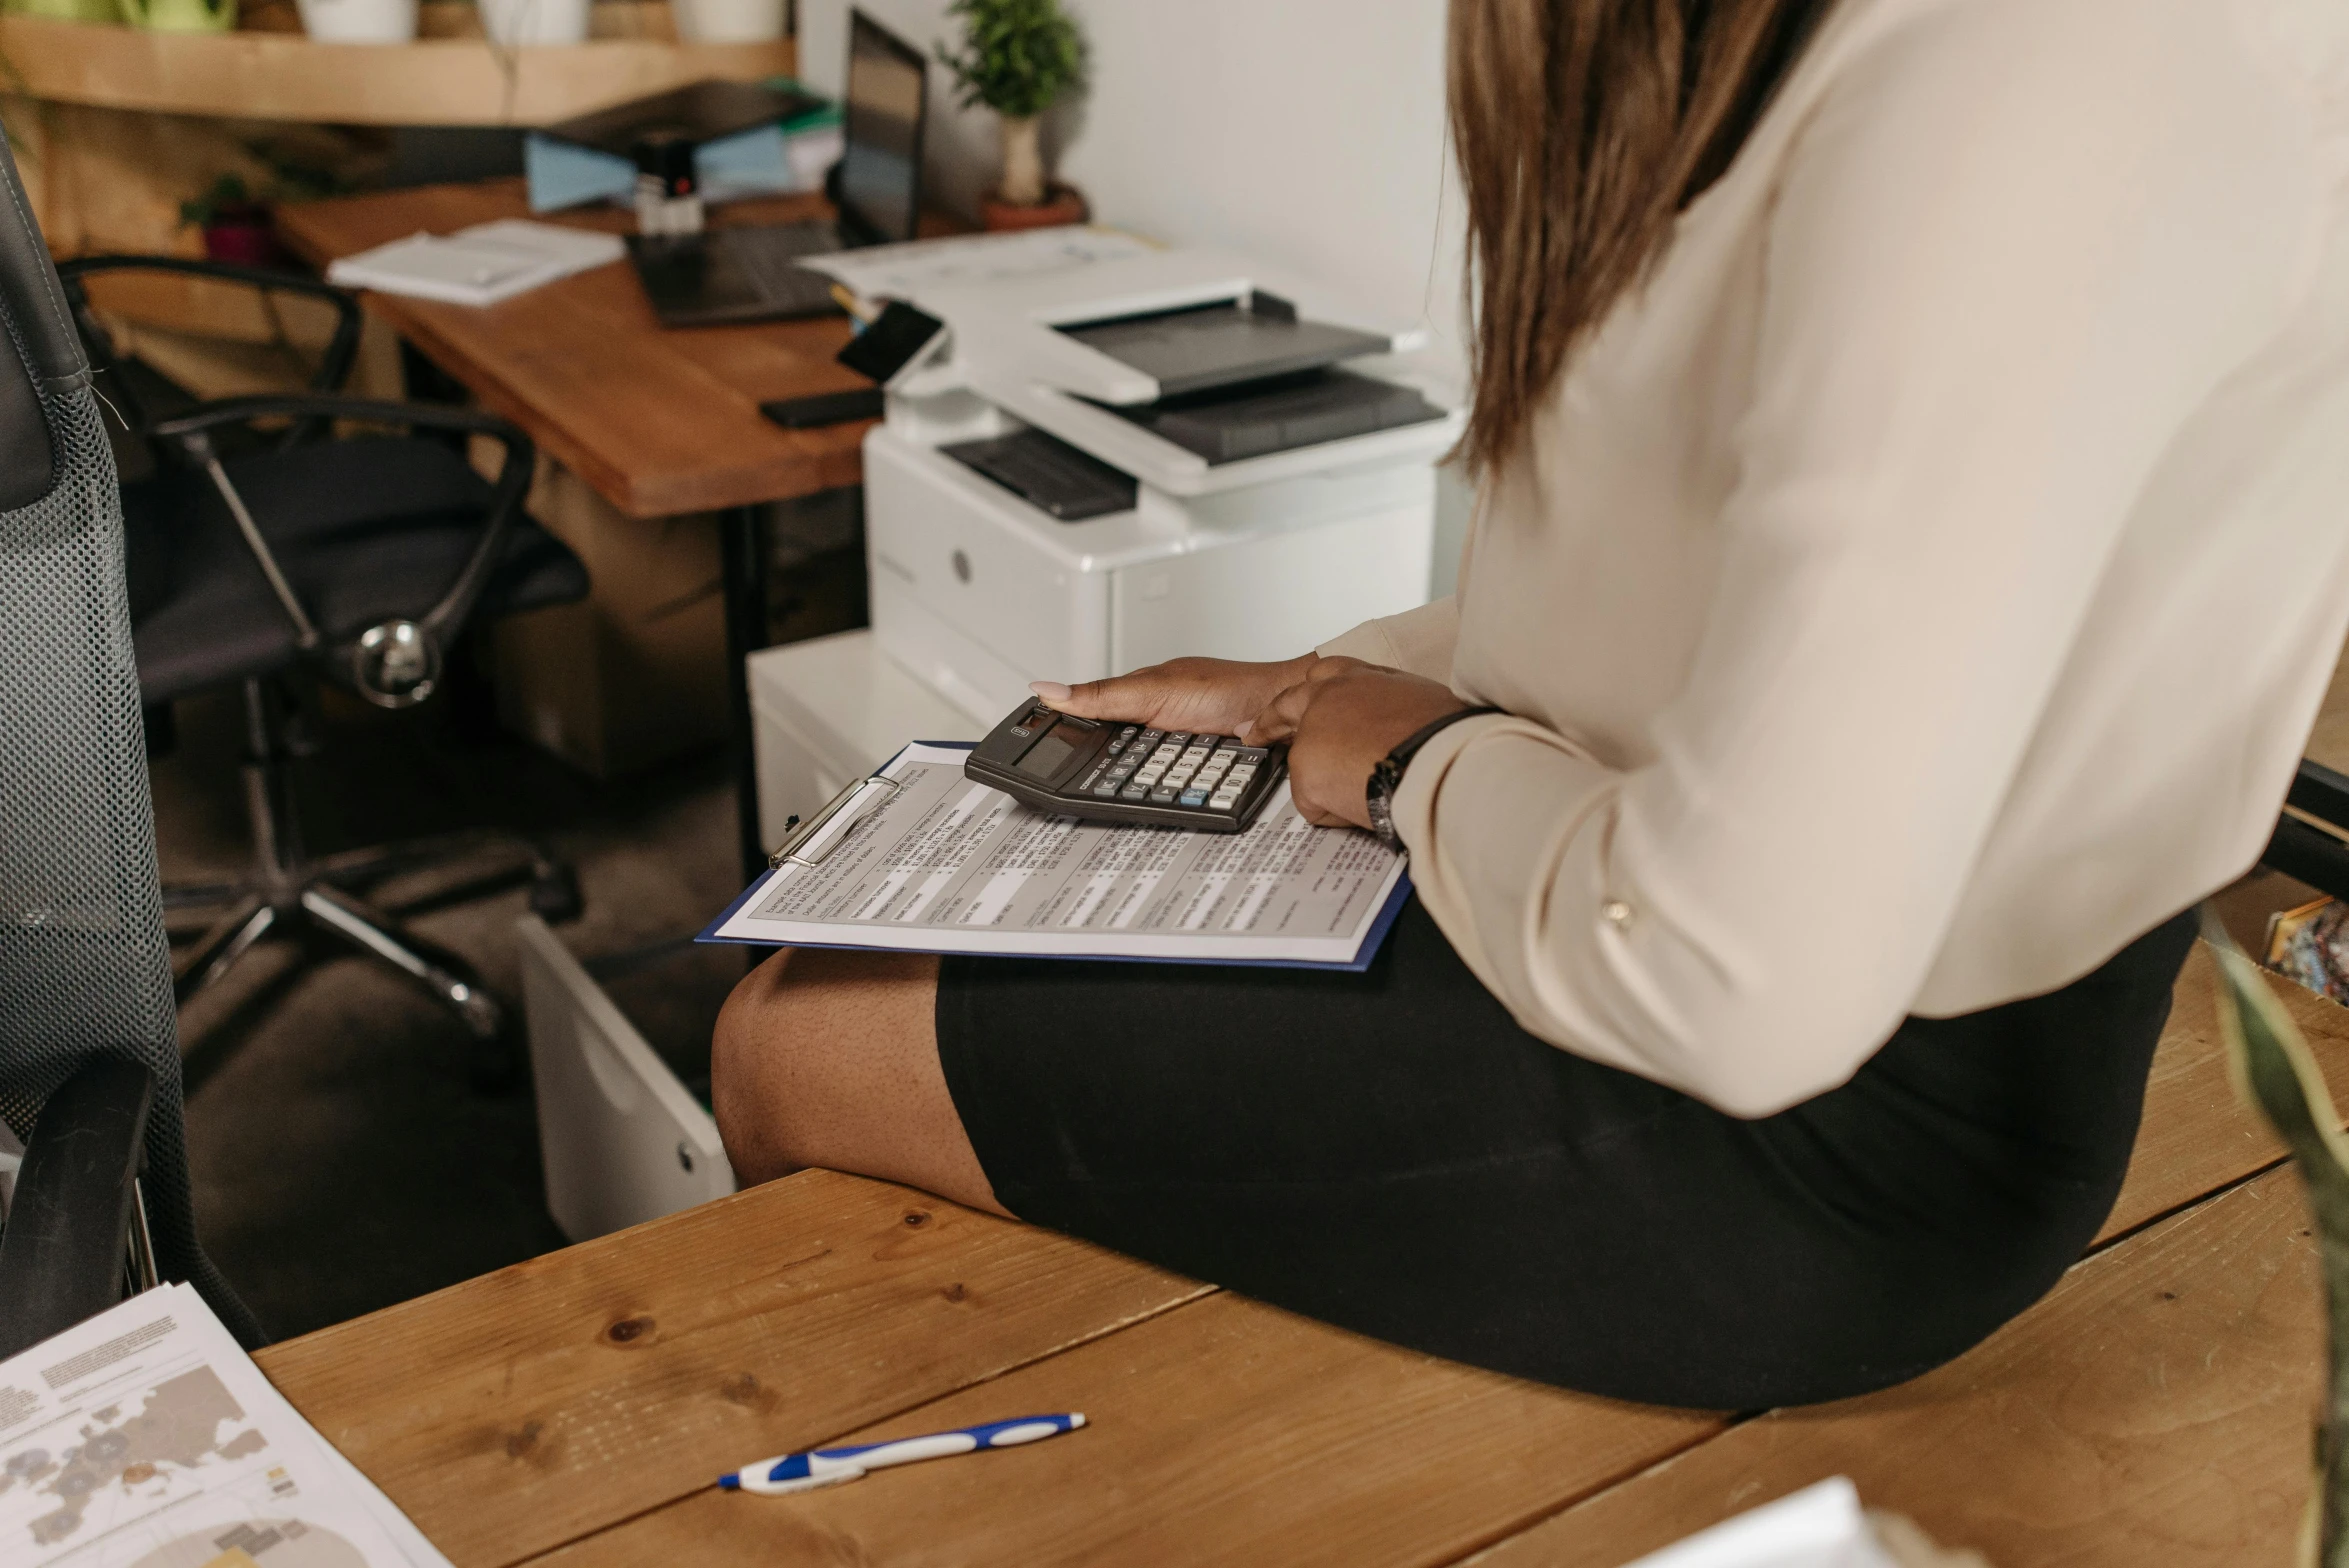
(1582, 128)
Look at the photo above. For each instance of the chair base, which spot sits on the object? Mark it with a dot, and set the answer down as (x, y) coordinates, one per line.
(287, 890)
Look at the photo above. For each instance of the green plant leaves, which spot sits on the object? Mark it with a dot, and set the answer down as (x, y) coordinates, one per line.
(1017, 56)
(2277, 1076)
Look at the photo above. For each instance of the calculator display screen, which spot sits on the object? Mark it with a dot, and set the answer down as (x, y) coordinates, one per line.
(1047, 756)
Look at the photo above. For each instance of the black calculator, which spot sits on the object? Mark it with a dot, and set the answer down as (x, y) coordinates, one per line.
(1110, 772)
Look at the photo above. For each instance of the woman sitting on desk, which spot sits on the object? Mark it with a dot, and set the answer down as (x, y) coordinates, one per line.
(1913, 440)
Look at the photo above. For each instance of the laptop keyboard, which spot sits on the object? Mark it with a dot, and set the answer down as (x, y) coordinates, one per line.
(769, 256)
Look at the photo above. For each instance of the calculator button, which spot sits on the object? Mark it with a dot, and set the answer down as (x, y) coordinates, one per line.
(1107, 789)
(1194, 797)
(1163, 795)
(1133, 792)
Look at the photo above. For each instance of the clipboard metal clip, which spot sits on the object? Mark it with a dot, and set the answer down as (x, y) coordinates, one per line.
(852, 805)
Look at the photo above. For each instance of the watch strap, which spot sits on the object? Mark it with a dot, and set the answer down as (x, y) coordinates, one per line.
(1386, 776)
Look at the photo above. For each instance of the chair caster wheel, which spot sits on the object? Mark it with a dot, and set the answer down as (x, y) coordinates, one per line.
(554, 893)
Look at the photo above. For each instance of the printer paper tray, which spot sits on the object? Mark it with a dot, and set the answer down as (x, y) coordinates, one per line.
(1110, 436)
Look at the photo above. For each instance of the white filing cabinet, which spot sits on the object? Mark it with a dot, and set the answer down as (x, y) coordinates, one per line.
(830, 710)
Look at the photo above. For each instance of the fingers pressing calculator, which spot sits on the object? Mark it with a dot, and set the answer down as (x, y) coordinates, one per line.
(1110, 772)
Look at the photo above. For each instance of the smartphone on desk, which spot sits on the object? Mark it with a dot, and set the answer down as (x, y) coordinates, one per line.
(1105, 771)
(824, 408)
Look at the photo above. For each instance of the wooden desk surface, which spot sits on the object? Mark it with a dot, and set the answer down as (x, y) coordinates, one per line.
(575, 1409)
(658, 421)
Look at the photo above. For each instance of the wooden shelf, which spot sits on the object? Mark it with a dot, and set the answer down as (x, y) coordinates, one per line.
(282, 76)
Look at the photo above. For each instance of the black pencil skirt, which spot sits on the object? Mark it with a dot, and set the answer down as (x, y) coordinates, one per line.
(1389, 1152)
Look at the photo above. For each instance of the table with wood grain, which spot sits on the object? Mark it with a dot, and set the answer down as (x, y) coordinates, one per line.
(659, 421)
(2155, 1408)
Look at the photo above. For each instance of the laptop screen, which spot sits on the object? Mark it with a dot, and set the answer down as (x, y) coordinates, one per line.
(881, 170)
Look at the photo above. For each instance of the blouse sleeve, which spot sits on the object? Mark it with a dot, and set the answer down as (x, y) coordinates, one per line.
(1998, 281)
(1419, 641)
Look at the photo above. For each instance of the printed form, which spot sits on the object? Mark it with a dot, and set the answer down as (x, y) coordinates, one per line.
(935, 863)
(145, 1438)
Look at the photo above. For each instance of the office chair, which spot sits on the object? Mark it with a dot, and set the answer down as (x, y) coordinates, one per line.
(253, 556)
(89, 1049)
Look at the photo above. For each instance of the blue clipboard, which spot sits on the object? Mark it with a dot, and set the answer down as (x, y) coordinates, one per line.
(867, 793)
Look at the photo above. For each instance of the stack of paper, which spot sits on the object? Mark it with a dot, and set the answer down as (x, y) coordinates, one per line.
(477, 266)
(144, 1438)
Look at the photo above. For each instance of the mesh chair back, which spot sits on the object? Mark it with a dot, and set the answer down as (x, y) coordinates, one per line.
(84, 966)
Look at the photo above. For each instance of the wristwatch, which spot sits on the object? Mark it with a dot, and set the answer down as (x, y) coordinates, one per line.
(1387, 776)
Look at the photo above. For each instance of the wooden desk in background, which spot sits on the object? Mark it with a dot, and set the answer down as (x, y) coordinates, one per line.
(574, 1410)
(658, 422)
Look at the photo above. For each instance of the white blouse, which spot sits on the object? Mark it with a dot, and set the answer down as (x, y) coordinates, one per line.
(1925, 584)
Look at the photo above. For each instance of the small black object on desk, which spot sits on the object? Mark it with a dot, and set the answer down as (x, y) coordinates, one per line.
(824, 408)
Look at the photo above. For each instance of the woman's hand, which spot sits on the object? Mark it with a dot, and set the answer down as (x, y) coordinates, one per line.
(1339, 722)
(1200, 696)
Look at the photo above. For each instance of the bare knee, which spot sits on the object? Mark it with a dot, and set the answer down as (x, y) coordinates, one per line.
(831, 1058)
(749, 1075)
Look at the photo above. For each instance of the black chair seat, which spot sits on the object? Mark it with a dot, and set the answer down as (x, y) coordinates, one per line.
(366, 529)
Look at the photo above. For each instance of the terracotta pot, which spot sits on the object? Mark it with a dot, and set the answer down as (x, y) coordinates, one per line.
(1062, 204)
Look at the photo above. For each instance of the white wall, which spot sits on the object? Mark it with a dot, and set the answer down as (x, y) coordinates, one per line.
(1307, 132)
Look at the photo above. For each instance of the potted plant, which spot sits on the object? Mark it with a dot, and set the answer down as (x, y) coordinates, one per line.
(1018, 58)
(234, 222)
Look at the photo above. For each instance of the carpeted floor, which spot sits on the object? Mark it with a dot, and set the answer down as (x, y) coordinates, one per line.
(342, 1161)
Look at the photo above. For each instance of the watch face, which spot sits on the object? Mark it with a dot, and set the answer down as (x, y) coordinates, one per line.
(1379, 798)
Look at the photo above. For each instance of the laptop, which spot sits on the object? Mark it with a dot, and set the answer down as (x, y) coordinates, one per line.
(752, 273)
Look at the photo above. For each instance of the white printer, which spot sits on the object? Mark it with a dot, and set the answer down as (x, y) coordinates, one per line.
(1107, 465)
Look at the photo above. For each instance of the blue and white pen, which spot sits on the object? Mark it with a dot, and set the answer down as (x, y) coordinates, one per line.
(829, 1466)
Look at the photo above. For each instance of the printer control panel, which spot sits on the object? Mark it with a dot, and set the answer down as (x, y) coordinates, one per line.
(1110, 772)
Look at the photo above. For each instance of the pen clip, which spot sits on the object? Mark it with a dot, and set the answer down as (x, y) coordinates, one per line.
(857, 801)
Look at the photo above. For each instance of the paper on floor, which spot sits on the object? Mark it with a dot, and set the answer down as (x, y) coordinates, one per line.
(145, 1438)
